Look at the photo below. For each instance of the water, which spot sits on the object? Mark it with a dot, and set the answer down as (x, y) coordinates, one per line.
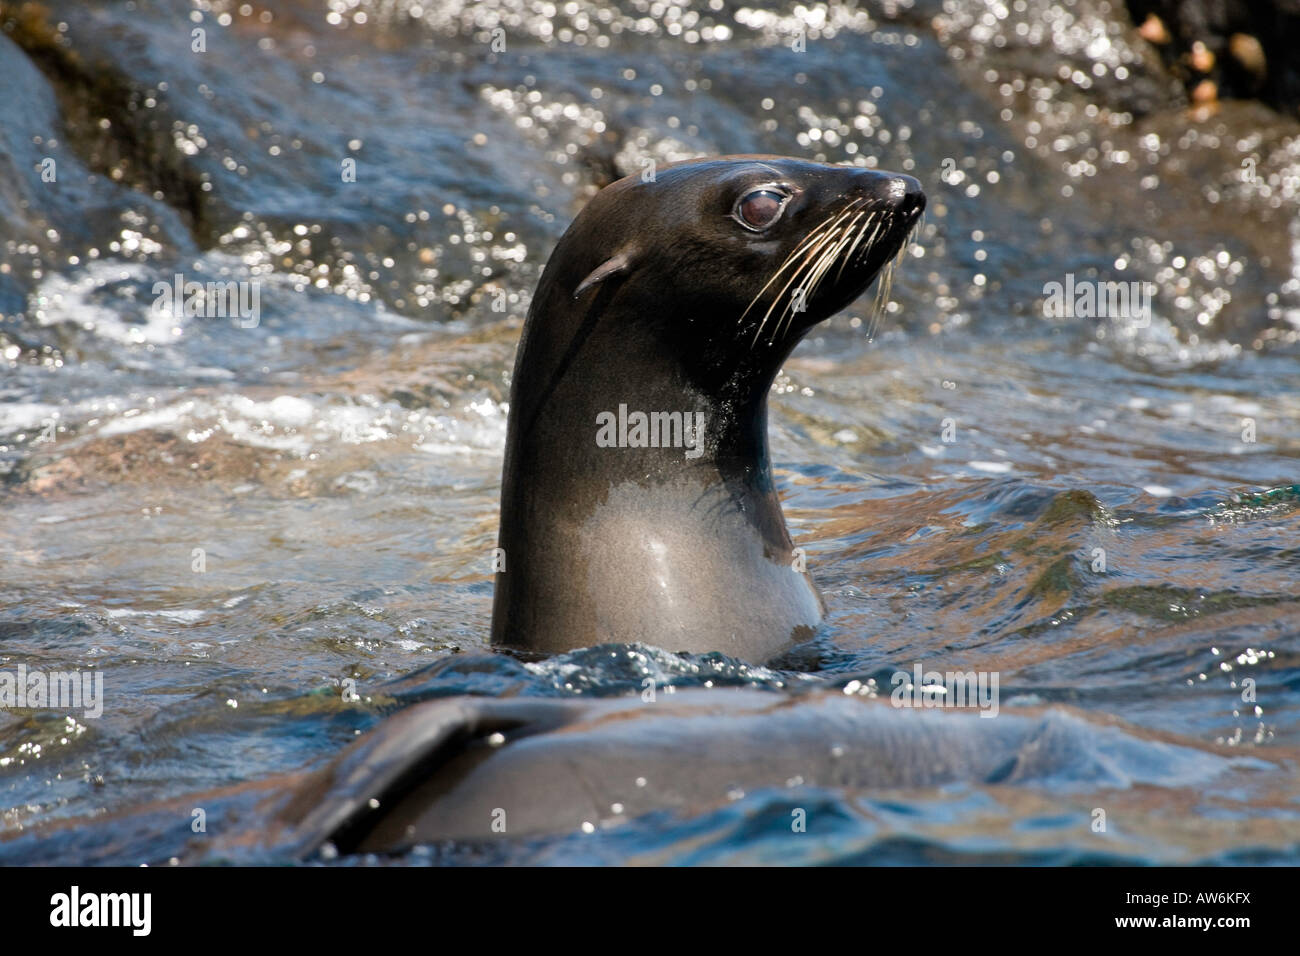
(231, 522)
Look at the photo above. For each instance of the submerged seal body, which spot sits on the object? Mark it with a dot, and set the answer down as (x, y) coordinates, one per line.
(637, 497)
(474, 771)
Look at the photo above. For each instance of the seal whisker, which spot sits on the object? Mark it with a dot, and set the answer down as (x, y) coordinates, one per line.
(812, 239)
(848, 256)
(853, 229)
(837, 254)
(862, 252)
(885, 286)
(817, 261)
(820, 268)
(812, 247)
(810, 257)
(875, 234)
(808, 240)
(830, 256)
(780, 298)
(881, 304)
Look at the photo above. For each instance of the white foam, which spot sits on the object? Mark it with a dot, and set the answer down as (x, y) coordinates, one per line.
(64, 298)
(992, 467)
(17, 416)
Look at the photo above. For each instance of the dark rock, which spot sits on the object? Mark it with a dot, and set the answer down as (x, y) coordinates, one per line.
(1251, 45)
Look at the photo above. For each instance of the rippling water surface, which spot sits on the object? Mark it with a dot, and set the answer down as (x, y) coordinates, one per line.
(231, 522)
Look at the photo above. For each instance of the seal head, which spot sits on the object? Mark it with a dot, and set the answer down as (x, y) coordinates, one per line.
(637, 496)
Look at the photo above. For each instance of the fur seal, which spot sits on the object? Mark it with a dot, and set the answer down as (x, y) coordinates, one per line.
(637, 499)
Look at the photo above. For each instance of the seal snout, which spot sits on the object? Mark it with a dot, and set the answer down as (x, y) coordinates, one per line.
(912, 202)
(904, 193)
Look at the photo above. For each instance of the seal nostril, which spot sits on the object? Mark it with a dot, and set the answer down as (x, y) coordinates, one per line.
(907, 195)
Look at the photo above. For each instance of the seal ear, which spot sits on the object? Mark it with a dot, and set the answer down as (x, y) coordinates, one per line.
(619, 263)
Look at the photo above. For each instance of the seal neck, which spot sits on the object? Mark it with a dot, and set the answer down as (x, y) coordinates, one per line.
(620, 401)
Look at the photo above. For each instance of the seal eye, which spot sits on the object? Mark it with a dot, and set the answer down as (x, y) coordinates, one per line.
(759, 209)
